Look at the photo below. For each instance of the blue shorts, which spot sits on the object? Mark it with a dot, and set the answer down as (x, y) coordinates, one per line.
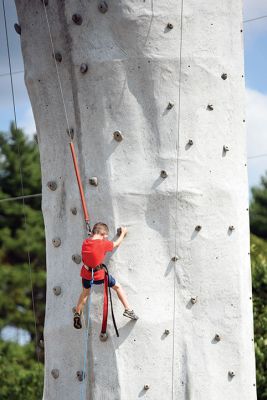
(87, 283)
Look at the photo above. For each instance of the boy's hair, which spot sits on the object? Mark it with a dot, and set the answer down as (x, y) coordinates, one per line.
(100, 228)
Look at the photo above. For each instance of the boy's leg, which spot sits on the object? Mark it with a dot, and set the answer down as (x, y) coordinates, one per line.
(121, 295)
(82, 300)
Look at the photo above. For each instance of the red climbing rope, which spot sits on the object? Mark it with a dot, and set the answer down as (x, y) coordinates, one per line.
(77, 172)
(105, 305)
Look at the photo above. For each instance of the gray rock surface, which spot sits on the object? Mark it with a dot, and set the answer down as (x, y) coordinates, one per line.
(137, 65)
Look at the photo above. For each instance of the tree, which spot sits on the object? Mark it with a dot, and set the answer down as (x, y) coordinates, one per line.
(18, 240)
(259, 285)
(258, 209)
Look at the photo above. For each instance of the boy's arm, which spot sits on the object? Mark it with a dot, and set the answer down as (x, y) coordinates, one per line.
(117, 242)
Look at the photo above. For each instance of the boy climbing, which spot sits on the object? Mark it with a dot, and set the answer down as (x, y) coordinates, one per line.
(94, 250)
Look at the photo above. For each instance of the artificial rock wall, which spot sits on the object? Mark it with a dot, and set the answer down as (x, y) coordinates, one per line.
(163, 73)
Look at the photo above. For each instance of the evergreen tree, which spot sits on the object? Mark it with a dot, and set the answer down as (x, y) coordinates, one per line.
(259, 286)
(22, 260)
(258, 209)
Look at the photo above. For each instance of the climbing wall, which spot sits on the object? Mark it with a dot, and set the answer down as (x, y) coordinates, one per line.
(153, 93)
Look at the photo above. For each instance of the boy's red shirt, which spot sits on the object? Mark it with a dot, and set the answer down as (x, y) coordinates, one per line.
(93, 254)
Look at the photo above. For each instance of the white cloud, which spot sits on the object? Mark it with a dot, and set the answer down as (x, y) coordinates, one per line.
(254, 9)
(26, 122)
(256, 111)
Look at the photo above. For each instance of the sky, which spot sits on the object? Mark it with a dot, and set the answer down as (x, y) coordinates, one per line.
(255, 56)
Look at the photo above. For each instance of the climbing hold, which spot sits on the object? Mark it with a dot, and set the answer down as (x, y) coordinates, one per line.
(83, 68)
(77, 19)
(103, 7)
(193, 300)
(45, 2)
(74, 210)
(58, 57)
(170, 26)
(76, 258)
(231, 228)
(146, 387)
(103, 337)
(57, 290)
(210, 107)
(80, 375)
(231, 374)
(17, 28)
(170, 105)
(55, 373)
(174, 258)
(225, 148)
(224, 76)
(217, 337)
(190, 142)
(163, 174)
(52, 185)
(117, 136)
(198, 228)
(93, 181)
(56, 242)
(70, 132)
(166, 332)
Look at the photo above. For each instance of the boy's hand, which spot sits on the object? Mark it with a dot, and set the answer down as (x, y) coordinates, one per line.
(123, 230)
(121, 233)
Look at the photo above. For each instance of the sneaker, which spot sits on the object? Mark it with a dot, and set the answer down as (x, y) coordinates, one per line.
(77, 323)
(130, 314)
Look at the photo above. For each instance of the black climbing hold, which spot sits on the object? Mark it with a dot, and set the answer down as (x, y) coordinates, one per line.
(231, 374)
(166, 332)
(103, 337)
(93, 181)
(225, 148)
(231, 228)
(76, 258)
(174, 258)
(80, 375)
(146, 387)
(224, 76)
(193, 300)
(190, 142)
(103, 7)
(17, 28)
(56, 242)
(55, 373)
(70, 132)
(163, 174)
(58, 57)
(117, 136)
(210, 107)
(77, 19)
(170, 26)
(73, 210)
(170, 105)
(83, 68)
(57, 290)
(198, 228)
(45, 2)
(52, 185)
(217, 337)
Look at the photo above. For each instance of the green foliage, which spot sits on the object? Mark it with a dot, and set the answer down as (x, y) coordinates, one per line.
(258, 209)
(21, 377)
(259, 285)
(21, 240)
